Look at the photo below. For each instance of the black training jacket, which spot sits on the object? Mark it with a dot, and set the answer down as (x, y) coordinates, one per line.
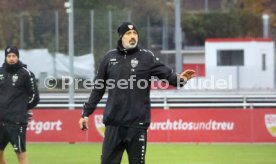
(18, 93)
(127, 105)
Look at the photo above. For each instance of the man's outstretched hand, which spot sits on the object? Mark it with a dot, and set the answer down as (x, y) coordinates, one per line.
(187, 74)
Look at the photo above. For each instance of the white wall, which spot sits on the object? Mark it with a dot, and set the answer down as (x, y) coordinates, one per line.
(41, 61)
(251, 75)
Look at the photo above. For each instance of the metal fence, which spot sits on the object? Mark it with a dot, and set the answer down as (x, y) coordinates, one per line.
(94, 31)
(168, 100)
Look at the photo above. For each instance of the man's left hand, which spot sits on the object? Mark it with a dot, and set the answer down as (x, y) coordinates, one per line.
(187, 74)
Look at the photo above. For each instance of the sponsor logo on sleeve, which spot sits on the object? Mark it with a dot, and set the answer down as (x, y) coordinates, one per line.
(1, 77)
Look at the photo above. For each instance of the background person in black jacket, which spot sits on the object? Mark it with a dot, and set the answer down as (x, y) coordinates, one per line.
(18, 94)
(126, 72)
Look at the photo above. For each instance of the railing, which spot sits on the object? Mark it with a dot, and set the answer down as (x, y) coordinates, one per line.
(172, 101)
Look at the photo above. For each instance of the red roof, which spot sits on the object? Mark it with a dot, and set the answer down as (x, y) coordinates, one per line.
(239, 40)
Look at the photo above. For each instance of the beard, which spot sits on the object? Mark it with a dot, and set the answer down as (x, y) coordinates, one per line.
(130, 45)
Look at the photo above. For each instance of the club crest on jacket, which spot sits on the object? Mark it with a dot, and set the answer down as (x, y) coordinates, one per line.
(134, 62)
(14, 79)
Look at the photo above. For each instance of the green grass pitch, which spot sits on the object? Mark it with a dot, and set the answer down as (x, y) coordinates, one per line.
(81, 153)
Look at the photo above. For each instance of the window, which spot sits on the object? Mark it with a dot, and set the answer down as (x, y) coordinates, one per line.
(263, 62)
(230, 58)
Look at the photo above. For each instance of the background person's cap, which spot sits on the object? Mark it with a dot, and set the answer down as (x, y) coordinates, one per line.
(11, 49)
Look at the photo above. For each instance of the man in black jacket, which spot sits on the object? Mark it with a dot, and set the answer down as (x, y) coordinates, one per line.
(126, 73)
(18, 95)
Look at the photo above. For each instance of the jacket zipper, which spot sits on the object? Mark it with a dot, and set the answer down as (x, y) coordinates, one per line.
(125, 54)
